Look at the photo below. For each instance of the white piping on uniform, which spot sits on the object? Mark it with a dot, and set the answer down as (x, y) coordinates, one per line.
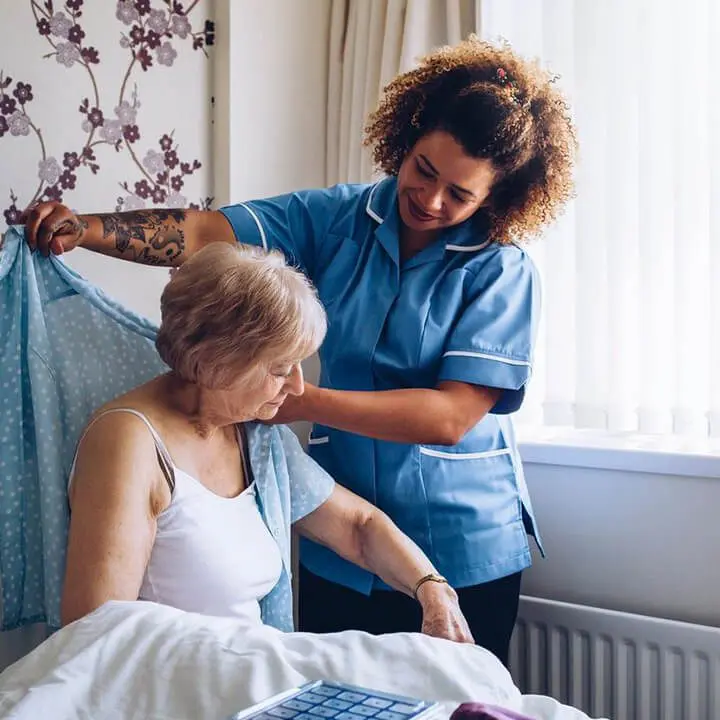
(369, 210)
(467, 248)
(254, 216)
(486, 356)
(464, 456)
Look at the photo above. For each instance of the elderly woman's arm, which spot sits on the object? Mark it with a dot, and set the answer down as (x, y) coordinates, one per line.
(113, 503)
(364, 535)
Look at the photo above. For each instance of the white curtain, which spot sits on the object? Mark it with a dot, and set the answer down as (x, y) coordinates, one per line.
(370, 42)
(630, 340)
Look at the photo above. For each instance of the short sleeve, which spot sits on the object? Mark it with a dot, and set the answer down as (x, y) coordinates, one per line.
(310, 485)
(492, 343)
(295, 224)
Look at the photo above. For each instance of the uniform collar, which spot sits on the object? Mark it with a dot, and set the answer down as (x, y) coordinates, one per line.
(382, 200)
(381, 206)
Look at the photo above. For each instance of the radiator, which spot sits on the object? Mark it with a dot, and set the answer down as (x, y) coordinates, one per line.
(617, 665)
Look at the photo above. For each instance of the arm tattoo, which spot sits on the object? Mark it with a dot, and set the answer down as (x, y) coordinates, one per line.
(152, 237)
(71, 227)
(80, 228)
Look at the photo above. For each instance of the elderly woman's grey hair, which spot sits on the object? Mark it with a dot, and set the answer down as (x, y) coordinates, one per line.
(231, 307)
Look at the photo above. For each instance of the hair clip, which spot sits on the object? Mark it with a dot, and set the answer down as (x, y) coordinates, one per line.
(506, 81)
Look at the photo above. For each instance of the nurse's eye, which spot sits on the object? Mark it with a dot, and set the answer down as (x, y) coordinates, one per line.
(459, 198)
(424, 172)
(283, 373)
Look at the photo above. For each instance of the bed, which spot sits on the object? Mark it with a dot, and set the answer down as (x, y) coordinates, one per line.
(143, 660)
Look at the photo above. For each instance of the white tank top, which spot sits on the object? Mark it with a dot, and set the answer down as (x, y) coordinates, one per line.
(211, 555)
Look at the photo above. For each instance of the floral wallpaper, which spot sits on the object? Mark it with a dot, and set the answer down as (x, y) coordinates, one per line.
(110, 121)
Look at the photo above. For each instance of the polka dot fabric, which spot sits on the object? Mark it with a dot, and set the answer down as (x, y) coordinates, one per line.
(67, 349)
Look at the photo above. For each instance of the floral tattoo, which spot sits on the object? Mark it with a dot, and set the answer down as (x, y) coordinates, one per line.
(154, 237)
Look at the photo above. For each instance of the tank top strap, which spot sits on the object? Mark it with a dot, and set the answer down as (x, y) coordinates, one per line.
(164, 459)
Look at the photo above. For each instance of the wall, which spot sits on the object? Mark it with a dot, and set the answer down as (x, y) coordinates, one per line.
(271, 69)
(99, 130)
(632, 541)
(267, 74)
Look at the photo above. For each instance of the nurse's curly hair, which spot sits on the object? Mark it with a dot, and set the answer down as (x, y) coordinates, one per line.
(498, 106)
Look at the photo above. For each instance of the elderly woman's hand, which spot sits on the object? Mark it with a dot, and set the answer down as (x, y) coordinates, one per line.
(442, 616)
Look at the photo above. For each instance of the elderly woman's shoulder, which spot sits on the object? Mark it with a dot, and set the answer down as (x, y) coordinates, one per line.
(132, 413)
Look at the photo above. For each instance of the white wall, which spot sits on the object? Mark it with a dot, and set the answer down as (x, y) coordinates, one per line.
(271, 96)
(630, 541)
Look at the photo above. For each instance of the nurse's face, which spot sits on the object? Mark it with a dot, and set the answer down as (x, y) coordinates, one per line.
(439, 185)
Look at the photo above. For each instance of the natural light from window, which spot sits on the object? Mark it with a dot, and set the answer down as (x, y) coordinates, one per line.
(630, 337)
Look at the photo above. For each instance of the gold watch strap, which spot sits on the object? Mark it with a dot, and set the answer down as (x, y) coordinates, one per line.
(430, 577)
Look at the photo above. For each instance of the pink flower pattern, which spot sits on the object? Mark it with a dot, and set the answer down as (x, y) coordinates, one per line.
(148, 32)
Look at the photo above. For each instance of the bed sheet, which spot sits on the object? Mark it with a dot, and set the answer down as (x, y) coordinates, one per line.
(143, 660)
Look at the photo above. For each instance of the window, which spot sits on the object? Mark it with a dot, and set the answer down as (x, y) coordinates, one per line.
(630, 336)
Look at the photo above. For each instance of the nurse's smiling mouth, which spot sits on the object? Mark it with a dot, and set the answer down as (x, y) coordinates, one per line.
(418, 213)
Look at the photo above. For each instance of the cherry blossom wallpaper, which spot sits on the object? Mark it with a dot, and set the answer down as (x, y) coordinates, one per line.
(104, 105)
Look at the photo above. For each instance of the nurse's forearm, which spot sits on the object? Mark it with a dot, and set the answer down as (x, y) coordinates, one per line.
(149, 237)
(155, 237)
(165, 237)
(439, 416)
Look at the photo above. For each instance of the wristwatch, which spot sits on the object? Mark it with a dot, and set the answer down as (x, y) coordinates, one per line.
(430, 577)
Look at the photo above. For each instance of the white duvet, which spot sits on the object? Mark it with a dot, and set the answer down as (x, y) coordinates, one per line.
(142, 660)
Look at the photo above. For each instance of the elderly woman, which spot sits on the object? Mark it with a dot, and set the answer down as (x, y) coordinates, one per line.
(178, 497)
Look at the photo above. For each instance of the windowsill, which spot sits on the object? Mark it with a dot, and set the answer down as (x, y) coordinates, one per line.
(627, 452)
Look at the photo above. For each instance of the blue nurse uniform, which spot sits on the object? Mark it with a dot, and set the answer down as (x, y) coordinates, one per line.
(462, 309)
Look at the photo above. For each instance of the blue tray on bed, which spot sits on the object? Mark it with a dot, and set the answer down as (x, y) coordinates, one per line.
(323, 700)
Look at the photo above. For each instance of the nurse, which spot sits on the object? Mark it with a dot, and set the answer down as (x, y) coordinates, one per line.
(432, 305)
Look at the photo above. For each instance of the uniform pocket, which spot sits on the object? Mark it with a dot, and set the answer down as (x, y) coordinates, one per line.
(468, 491)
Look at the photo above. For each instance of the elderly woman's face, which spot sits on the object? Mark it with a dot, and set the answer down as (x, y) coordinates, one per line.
(440, 185)
(259, 394)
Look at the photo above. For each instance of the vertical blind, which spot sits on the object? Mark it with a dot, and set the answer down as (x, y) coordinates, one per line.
(630, 336)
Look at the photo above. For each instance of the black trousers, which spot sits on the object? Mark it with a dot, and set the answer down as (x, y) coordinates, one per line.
(490, 609)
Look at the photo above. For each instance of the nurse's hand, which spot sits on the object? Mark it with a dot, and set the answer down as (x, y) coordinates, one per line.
(51, 227)
(442, 616)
